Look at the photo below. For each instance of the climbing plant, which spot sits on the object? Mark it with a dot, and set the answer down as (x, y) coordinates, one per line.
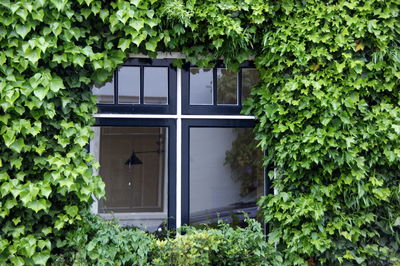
(327, 110)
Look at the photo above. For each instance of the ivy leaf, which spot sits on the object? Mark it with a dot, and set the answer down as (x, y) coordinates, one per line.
(40, 258)
(9, 137)
(218, 43)
(32, 55)
(124, 44)
(137, 24)
(151, 45)
(22, 30)
(38, 205)
(56, 84)
(71, 210)
(18, 145)
(79, 60)
(59, 4)
(41, 92)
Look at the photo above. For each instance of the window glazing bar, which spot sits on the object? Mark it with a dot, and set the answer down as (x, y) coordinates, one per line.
(175, 116)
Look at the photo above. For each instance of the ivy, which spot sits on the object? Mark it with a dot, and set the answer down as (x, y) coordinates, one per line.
(327, 111)
(328, 117)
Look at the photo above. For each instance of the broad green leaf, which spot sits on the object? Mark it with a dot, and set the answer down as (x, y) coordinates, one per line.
(38, 205)
(56, 84)
(33, 55)
(41, 92)
(22, 30)
(40, 258)
(124, 44)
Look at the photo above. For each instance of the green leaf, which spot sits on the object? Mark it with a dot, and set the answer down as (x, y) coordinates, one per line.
(124, 44)
(71, 210)
(41, 92)
(38, 205)
(32, 55)
(18, 145)
(40, 258)
(22, 30)
(151, 45)
(78, 60)
(56, 84)
(137, 24)
(9, 137)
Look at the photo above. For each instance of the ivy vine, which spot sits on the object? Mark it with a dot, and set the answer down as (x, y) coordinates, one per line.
(327, 111)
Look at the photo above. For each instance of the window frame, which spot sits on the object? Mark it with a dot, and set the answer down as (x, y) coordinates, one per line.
(178, 116)
(201, 123)
(142, 108)
(214, 109)
(171, 178)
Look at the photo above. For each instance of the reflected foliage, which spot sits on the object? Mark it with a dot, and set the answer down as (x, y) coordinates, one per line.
(245, 160)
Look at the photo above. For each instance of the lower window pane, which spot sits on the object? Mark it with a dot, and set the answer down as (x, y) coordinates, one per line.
(134, 169)
(226, 174)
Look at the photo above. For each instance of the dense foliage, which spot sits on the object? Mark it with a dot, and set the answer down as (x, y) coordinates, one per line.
(329, 117)
(327, 107)
(223, 245)
(97, 242)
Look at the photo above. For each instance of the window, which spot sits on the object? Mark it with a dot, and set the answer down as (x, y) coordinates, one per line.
(173, 147)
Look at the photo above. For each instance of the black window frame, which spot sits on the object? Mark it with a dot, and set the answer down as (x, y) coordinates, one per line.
(155, 122)
(171, 123)
(185, 181)
(142, 108)
(214, 109)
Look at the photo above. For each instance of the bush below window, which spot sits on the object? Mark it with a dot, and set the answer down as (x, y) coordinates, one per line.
(98, 242)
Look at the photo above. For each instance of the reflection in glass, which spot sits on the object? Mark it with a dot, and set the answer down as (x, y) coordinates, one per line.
(129, 85)
(105, 93)
(133, 168)
(201, 86)
(226, 174)
(250, 78)
(226, 86)
(156, 85)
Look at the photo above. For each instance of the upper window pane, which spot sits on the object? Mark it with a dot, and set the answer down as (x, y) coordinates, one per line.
(201, 86)
(226, 174)
(129, 85)
(227, 86)
(250, 78)
(156, 85)
(105, 93)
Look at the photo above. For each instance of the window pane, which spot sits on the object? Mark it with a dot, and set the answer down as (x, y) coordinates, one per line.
(129, 85)
(156, 85)
(201, 86)
(105, 93)
(226, 174)
(133, 167)
(226, 86)
(250, 78)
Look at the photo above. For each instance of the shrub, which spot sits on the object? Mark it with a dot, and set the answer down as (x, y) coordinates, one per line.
(99, 242)
(223, 245)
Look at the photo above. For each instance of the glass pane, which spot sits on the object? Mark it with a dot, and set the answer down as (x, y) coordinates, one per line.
(105, 93)
(226, 86)
(133, 167)
(226, 174)
(156, 85)
(250, 78)
(129, 85)
(201, 86)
